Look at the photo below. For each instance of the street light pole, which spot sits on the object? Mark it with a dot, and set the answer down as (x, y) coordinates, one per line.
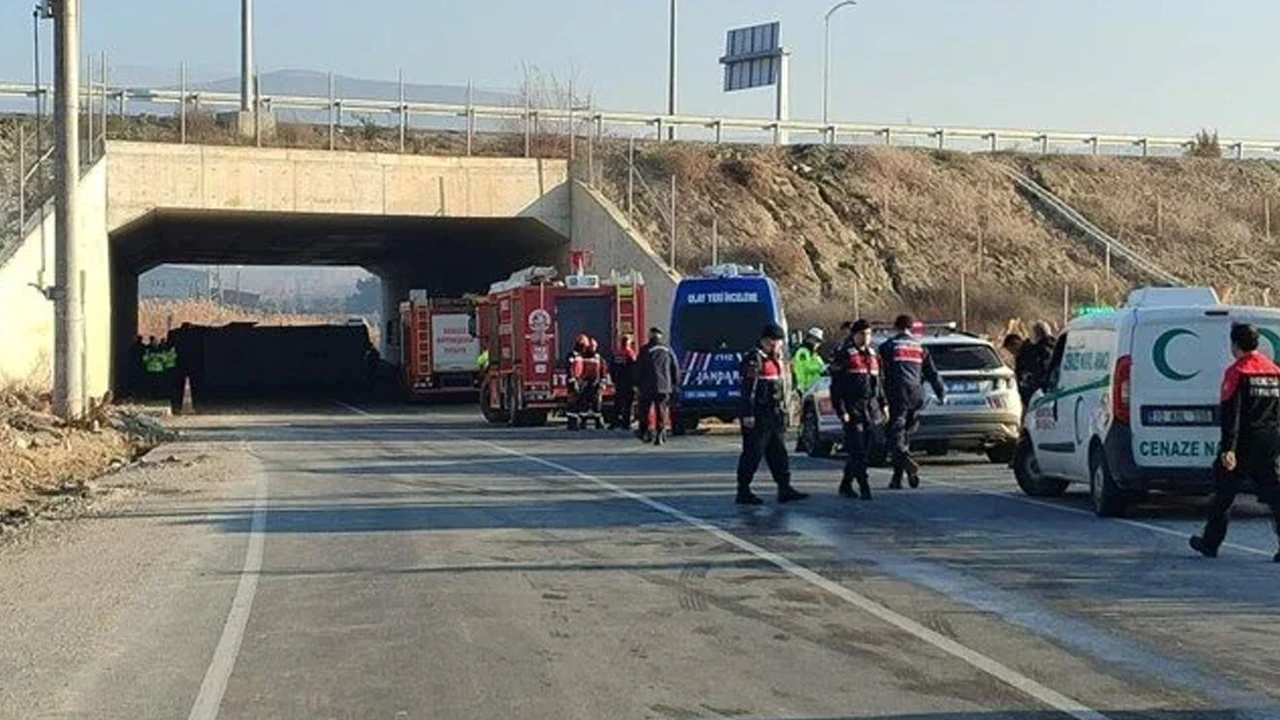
(671, 70)
(246, 55)
(826, 54)
(68, 346)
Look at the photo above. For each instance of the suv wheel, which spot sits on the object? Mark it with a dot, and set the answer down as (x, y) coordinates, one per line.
(811, 435)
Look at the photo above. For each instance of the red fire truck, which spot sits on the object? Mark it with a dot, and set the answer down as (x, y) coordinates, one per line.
(528, 324)
(437, 350)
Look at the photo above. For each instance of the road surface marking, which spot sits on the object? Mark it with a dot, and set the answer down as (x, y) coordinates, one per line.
(353, 409)
(1076, 511)
(224, 657)
(1089, 513)
(975, 659)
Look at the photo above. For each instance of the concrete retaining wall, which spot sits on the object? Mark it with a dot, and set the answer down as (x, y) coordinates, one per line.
(600, 227)
(145, 176)
(26, 334)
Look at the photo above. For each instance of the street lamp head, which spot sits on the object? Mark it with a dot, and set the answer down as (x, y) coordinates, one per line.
(839, 5)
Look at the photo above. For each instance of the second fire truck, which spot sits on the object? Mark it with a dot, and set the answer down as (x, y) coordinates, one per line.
(528, 323)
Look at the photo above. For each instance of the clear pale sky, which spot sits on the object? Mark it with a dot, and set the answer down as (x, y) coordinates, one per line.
(1154, 66)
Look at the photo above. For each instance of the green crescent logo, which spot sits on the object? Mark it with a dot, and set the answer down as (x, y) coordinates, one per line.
(1272, 338)
(1160, 354)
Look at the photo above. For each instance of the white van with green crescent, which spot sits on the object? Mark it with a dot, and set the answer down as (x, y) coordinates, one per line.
(1130, 404)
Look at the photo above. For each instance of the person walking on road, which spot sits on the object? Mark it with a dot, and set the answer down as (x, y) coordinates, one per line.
(857, 395)
(623, 371)
(1031, 364)
(906, 366)
(1249, 413)
(657, 375)
(763, 413)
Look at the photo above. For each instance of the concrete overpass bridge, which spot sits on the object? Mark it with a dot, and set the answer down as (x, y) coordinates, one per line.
(447, 224)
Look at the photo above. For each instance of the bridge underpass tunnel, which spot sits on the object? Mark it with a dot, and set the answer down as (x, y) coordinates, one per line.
(447, 257)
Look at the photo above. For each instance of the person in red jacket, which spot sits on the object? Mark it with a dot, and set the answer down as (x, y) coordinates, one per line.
(587, 376)
(1249, 413)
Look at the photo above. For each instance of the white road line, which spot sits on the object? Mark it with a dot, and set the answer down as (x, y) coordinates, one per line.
(1088, 513)
(224, 656)
(975, 659)
(353, 408)
(1077, 511)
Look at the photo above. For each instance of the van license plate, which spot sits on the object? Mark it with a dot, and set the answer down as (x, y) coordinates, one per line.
(1185, 416)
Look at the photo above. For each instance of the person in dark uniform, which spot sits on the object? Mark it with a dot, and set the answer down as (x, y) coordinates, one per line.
(906, 366)
(1031, 364)
(763, 413)
(622, 369)
(857, 395)
(657, 377)
(1249, 413)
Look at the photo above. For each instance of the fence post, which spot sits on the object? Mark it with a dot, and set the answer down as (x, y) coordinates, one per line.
(528, 134)
(257, 108)
(182, 102)
(715, 241)
(1066, 304)
(673, 222)
(404, 115)
(103, 117)
(22, 174)
(1096, 300)
(333, 110)
(631, 179)
(964, 306)
(1107, 253)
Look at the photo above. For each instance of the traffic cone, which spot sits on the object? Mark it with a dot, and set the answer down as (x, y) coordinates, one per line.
(188, 406)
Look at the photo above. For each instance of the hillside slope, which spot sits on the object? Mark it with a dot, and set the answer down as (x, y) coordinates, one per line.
(896, 228)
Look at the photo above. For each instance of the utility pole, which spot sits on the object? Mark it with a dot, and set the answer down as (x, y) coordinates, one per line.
(68, 375)
(246, 56)
(671, 71)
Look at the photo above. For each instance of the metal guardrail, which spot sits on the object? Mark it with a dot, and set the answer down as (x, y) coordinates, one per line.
(830, 132)
(1112, 246)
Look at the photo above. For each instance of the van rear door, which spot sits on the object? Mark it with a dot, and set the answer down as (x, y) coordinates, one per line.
(1178, 356)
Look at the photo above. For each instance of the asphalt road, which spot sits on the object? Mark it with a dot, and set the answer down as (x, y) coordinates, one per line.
(336, 563)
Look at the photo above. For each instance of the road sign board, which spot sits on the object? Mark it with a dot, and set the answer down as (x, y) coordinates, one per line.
(752, 57)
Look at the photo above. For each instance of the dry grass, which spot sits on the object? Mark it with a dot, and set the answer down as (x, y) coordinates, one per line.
(895, 228)
(156, 317)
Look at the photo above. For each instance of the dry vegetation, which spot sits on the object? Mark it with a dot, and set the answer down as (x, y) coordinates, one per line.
(895, 228)
(44, 461)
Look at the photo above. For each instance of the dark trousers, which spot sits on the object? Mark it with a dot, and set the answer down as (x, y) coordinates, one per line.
(904, 421)
(624, 399)
(660, 404)
(1263, 471)
(766, 440)
(859, 440)
(177, 387)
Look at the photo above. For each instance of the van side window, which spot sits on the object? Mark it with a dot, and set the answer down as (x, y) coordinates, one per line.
(1055, 364)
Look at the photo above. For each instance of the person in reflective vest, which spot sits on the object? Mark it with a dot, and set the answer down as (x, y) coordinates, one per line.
(586, 379)
(857, 396)
(763, 418)
(806, 364)
(906, 366)
(1249, 445)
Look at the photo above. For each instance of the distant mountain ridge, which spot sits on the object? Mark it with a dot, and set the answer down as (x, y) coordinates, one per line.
(316, 84)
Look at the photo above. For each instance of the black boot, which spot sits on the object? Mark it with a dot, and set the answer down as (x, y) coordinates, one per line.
(1199, 545)
(864, 489)
(913, 473)
(746, 497)
(660, 437)
(787, 494)
(846, 488)
(896, 482)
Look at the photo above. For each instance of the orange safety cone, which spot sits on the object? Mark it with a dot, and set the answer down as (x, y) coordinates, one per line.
(188, 406)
